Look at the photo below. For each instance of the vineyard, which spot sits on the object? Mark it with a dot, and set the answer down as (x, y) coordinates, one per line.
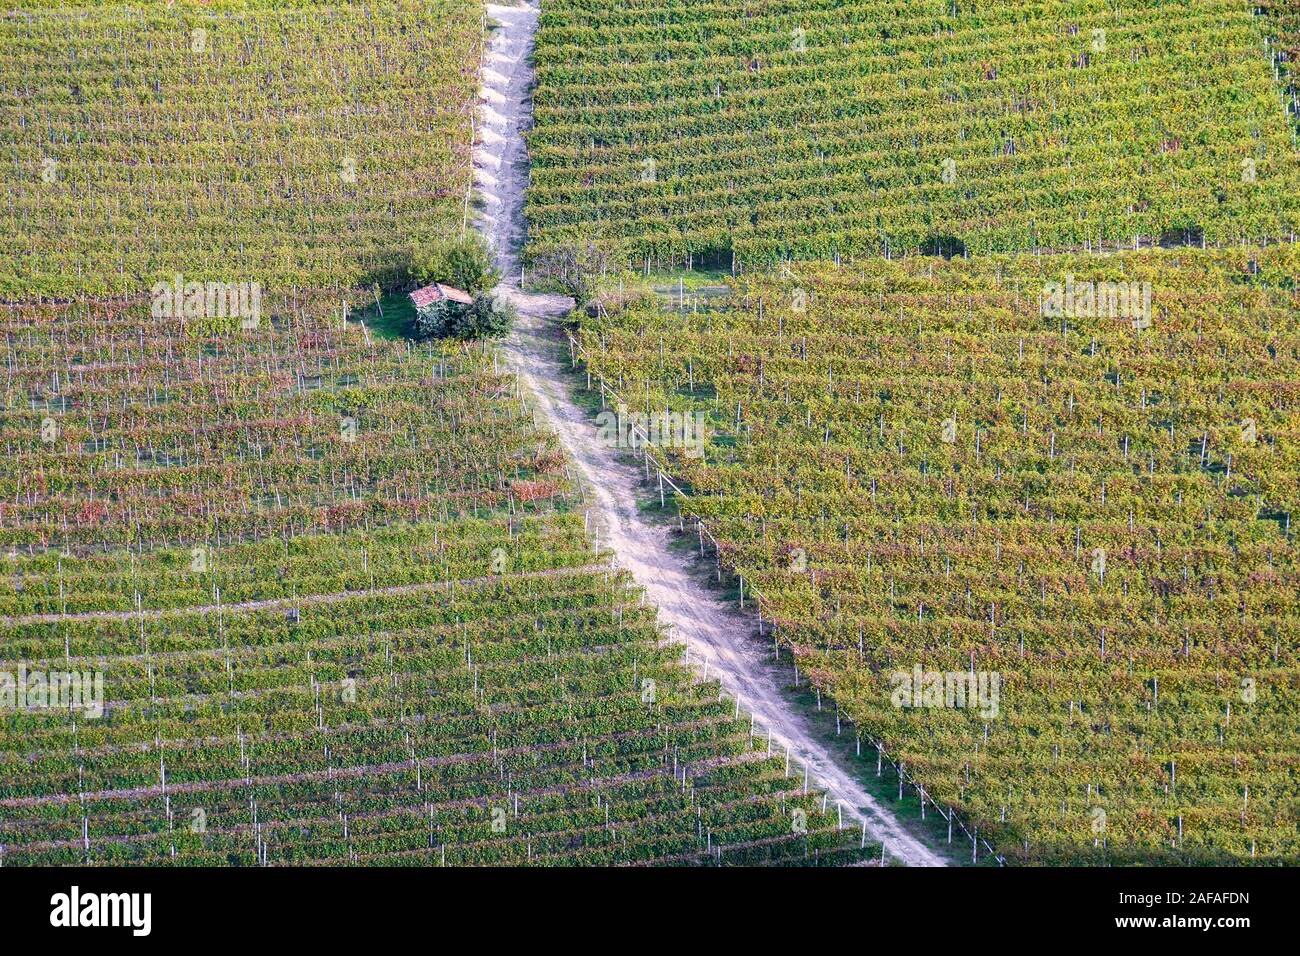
(382, 642)
(516, 719)
(338, 586)
(300, 145)
(121, 428)
(981, 467)
(1000, 457)
(731, 134)
(1284, 28)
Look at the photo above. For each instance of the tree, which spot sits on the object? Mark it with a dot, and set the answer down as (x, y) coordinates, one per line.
(462, 263)
(490, 317)
(575, 268)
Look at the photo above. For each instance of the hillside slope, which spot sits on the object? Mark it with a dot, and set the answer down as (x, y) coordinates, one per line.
(683, 132)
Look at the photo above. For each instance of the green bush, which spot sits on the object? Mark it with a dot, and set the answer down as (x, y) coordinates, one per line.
(431, 322)
(488, 317)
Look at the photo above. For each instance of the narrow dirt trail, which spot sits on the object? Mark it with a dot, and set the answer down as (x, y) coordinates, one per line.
(718, 639)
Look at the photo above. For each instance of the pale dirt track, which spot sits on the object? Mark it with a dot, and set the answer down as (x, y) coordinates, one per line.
(712, 631)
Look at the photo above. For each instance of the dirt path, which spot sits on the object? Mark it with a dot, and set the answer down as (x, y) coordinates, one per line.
(716, 637)
(505, 113)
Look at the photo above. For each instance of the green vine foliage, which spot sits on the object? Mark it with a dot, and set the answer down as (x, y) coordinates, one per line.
(926, 464)
(686, 134)
(336, 584)
(299, 145)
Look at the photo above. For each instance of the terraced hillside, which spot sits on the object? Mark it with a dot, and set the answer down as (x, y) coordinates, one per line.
(300, 144)
(683, 132)
(1006, 469)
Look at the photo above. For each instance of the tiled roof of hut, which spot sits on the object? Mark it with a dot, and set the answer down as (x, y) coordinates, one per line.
(437, 293)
